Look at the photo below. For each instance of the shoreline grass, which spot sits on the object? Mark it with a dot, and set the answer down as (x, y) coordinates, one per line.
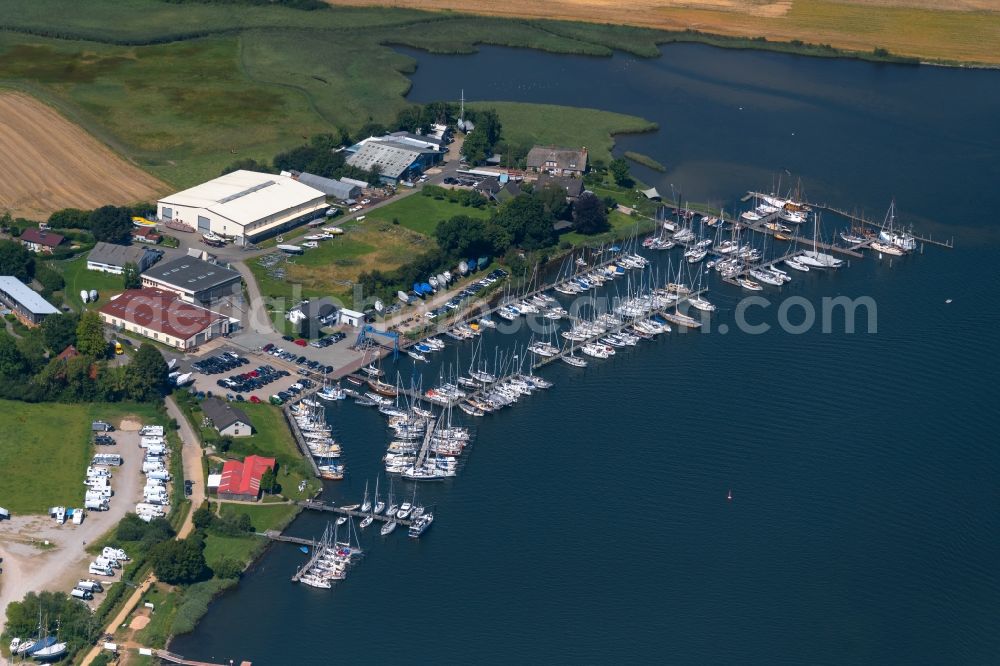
(645, 160)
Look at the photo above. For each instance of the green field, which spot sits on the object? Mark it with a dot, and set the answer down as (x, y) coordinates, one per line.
(549, 124)
(241, 548)
(77, 277)
(263, 516)
(47, 448)
(422, 214)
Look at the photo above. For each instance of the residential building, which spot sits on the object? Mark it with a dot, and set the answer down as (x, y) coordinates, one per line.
(163, 316)
(322, 311)
(557, 161)
(227, 420)
(194, 280)
(39, 241)
(111, 258)
(26, 304)
(246, 206)
(572, 186)
(146, 235)
(241, 480)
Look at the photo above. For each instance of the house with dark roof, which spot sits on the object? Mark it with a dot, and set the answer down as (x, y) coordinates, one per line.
(572, 186)
(318, 312)
(40, 241)
(507, 192)
(557, 161)
(164, 317)
(227, 420)
(111, 257)
(194, 280)
(241, 480)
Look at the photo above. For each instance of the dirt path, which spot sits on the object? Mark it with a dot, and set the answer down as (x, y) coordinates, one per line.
(58, 165)
(30, 566)
(192, 454)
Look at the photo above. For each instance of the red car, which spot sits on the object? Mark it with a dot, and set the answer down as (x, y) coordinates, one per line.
(268, 347)
(301, 343)
(255, 400)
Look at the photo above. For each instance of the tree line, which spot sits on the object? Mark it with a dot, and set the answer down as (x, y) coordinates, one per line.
(31, 370)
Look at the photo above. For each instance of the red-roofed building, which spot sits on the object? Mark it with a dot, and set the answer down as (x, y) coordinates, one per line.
(37, 240)
(241, 480)
(163, 316)
(146, 235)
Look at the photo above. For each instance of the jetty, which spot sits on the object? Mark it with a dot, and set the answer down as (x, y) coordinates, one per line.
(173, 658)
(314, 505)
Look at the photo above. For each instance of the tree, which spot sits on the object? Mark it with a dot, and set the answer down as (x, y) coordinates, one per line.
(111, 224)
(70, 218)
(146, 375)
(179, 561)
(16, 260)
(227, 567)
(529, 224)
(202, 517)
(90, 335)
(620, 172)
(268, 480)
(12, 363)
(477, 147)
(51, 280)
(589, 215)
(59, 332)
(130, 276)
(553, 197)
(249, 164)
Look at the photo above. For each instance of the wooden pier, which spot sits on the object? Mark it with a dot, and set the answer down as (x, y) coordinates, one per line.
(172, 658)
(313, 505)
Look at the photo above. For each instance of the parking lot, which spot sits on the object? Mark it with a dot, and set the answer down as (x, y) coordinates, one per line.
(239, 375)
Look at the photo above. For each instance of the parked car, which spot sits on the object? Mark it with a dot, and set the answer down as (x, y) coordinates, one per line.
(254, 399)
(301, 343)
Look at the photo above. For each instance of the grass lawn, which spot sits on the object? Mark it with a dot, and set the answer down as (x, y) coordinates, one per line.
(332, 268)
(529, 124)
(241, 549)
(47, 448)
(156, 633)
(78, 278)
(263, 516)
(422, 214)
(621, 226)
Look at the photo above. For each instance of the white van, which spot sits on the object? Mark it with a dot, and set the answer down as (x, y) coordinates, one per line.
(81, 594)
(95, 504)
(90, 586)
(96, 570)
(78, 516)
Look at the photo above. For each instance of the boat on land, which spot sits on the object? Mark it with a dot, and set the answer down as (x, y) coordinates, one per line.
(291, 249)
(143, 223)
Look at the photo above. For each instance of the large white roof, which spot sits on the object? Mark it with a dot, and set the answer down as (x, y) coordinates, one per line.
(27, 297)
(246, 196)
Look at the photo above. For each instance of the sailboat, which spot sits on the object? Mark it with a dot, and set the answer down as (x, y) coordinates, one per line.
(379, 504)
(366, 504)
(816, 259)
(888, 235)
(388, 528)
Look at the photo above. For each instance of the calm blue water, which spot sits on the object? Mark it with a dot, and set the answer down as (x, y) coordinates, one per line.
(590, 523)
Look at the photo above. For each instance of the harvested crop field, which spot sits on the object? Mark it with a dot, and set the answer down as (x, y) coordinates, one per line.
(956, 31)
(50, 163)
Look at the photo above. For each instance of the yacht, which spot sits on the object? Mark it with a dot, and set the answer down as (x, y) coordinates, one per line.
(795, 264)
(404, 511)
(388, 528)
(367, 521)
(575, 361)
(887, 248)
(702, 304)
(416, 356)
(747, 283)
(420, 524)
